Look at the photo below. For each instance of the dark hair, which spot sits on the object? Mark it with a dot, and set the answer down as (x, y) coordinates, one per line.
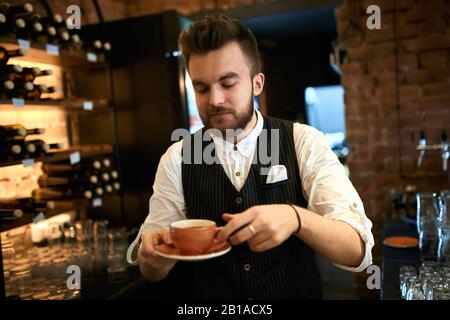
(213, 32)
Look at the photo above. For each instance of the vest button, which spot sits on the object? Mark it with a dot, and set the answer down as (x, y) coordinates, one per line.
(247, 267)
(238, 200)
(234, 148)
(238, 174)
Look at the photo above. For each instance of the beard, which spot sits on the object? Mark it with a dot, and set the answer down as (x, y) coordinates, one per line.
(240, 120)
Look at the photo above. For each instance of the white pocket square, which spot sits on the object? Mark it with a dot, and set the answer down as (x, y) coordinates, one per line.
(277, 173)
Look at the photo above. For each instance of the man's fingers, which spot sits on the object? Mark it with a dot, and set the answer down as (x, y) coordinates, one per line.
(241, 236)
(236, 222)
(263, 246)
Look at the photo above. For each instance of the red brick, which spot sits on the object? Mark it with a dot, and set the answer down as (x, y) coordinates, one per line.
(435, 41)
(356, 136)
(428, 75)
(423, 12)
(353, 67)
(342, 12)
(409, 91)
(408, 62)
(432, 25)
(382, 63)
(433, 58)
(387, 90)
(356, 81)
(437, 88)
(379, 35)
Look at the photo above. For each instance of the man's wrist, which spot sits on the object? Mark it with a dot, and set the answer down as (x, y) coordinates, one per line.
(298, 218)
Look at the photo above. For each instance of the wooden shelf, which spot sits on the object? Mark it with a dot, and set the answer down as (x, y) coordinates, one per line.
(85, 151)
(71, 104)
(62, 206)
(43, 54)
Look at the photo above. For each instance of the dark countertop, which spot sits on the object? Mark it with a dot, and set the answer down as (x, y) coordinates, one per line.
(104, 288)
(394, 258)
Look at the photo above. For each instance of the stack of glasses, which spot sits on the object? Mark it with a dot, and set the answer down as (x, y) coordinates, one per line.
(432, 282)
(41, 271)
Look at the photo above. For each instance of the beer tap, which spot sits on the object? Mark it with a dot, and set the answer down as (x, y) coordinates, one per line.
(422, 144)
(444, 150)
(443, 147)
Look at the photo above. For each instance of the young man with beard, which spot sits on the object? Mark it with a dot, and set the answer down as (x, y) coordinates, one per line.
(275, 228)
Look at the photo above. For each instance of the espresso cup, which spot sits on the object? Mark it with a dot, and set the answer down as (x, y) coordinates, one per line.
(193, 236)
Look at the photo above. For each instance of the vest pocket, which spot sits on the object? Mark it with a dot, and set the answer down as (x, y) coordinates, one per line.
(278, 192)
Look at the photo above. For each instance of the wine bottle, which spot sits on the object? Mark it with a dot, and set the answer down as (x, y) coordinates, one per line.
(106, 163)
(10, 150)
(11, 213)
(6, 89)
(19, 134)
(109, 188)
(50, 30)
(5, 54)
(41, 147)
(39, 90)
(13, 24)
(55, 194)
(74, 180)
(21, 89)
(114, 175)
(65, 169)
(99, 192)
(116, 186)
(27, 204)
(61, 30)
(34, 28)
(30, 74)
(17, 10)
(12, 131)
(10, 72)
(105, 177)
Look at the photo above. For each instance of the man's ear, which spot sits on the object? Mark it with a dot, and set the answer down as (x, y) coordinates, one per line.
(258, 84)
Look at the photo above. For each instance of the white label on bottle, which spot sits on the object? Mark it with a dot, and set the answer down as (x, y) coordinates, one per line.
(75, 157)
(97, 202)
(28, 162)
(92, 57)
(52, 49)
(18, 102)
(23, 44)
(39, 217)
(88, 105)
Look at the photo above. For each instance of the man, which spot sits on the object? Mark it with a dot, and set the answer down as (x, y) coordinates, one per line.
(275, 222)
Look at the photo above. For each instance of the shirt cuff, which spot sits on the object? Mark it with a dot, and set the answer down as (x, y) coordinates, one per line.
(132, 257)
(369, 243)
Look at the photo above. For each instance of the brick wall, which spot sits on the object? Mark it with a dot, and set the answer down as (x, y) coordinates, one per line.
(397, 82)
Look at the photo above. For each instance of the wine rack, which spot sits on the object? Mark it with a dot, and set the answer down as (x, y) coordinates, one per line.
(58, 113)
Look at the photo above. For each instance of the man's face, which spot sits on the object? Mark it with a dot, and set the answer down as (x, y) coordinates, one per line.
(223, 87)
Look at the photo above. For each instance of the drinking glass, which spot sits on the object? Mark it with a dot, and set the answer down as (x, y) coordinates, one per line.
(443, 252)
(427, 225)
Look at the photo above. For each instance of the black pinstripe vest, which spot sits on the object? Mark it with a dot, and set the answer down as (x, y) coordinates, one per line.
(288, 271)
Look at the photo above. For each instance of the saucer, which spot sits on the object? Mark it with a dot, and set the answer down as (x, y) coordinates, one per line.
(170, 252)
(401, 242)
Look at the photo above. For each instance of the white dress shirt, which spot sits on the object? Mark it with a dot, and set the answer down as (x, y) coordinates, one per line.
(326, 186)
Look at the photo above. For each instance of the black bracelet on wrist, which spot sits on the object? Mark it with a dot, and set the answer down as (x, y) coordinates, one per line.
(297, 214)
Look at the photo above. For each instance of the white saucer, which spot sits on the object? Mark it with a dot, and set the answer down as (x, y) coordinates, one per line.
(194, 258)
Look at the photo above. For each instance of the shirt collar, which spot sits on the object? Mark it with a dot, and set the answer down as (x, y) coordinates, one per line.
(245, 145)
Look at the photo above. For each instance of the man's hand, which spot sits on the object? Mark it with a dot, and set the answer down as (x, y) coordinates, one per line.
(263, 227)
(152, 266)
